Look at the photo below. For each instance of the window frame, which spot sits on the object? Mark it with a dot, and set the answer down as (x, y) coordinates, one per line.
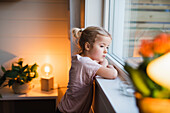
(118, 32)
(118, 23)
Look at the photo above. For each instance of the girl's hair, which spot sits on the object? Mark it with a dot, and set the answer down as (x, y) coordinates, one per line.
(88, 35)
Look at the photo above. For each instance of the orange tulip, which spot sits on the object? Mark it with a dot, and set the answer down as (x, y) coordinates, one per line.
(161, 44)
(146, 48)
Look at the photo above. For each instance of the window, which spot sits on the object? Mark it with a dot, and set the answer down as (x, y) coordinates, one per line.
(130, 21)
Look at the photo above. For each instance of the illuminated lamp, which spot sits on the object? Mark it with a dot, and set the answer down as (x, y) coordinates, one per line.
(47, 80)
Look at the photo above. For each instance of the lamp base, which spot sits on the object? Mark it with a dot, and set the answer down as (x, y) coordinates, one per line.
(47, 83)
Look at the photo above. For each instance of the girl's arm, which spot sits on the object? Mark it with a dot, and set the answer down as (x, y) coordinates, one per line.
(107, 71)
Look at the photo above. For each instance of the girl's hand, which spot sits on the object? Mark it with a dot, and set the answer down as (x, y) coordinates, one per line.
(104, 63)
(110, 66)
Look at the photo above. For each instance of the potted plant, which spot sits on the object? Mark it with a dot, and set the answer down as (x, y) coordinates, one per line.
(151, 78)
(19, 76)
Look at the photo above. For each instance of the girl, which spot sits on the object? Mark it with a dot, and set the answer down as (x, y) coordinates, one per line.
(93, 42)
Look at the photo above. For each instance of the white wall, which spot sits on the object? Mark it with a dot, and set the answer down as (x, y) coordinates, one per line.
(94, 13)
(37, 31)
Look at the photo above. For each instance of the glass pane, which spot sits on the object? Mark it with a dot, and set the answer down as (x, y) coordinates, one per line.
(130, 21)
(143, 20)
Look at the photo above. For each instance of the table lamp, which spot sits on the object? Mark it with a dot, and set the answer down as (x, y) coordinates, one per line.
(47, 80)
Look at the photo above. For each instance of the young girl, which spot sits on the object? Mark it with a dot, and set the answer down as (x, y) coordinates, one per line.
(93, 42)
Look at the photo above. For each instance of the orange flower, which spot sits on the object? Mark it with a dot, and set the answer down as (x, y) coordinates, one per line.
(146, 48)
(161, 44)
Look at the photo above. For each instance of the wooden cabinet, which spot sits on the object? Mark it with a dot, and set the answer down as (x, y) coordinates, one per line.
(36, 101)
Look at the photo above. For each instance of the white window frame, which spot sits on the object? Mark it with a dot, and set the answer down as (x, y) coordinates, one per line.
(116, 28)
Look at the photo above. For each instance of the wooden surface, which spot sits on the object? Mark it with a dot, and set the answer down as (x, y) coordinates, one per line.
(35, 93)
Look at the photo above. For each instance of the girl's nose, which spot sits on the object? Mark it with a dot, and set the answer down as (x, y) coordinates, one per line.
(105, 50)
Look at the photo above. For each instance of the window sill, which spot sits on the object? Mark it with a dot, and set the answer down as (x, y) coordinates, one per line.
(108, 91)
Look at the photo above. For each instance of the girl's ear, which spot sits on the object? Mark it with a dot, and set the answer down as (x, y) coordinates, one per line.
(87, 46)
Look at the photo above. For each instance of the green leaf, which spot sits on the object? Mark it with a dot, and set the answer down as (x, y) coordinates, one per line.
(3, 69)
(11, 74)
(151, 84)
(10, 82)
(36, 75)
(164, 93)
(2, 80)
(20, 62)
(23, 68)
(23, 74)
(15, 68)
(24, 78)
(34, 67)
(28, 69)
(147, 80)
(138, 80)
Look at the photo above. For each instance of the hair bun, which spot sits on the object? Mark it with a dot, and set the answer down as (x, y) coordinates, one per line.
(76, 32)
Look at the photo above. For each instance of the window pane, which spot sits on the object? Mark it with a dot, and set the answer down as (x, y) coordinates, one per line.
(142, 19)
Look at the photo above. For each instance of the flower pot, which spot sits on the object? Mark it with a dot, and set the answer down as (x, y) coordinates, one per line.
(21, 89)
(152, 105)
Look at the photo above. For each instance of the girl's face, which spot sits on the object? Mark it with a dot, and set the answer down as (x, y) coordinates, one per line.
(99, 50)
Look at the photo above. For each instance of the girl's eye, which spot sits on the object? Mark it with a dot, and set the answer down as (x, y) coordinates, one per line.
(101, 46)
(107, 47)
